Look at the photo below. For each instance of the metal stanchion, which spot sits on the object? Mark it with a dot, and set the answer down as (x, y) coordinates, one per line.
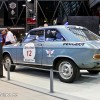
(1, 66)
(51, 81)
(8, 71)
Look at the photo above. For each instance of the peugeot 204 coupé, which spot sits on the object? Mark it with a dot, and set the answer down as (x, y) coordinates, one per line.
(67, 49)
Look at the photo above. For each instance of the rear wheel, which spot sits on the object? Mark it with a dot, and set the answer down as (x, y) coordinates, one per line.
(68, 71)
(93, 72)
(7, 60)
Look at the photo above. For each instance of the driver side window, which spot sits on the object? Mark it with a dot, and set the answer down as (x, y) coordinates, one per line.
(34, 36)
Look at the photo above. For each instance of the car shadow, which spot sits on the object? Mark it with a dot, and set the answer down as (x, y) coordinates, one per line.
(84, 77)
(32, 72)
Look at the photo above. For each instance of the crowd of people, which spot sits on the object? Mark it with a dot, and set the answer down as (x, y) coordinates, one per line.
(8, 37)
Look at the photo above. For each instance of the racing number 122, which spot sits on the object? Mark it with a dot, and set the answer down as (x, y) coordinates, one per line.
(29, 53)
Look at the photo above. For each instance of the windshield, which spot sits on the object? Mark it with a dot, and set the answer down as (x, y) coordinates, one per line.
(84, 34)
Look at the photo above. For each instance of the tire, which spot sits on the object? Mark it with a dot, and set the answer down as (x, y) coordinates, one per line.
(7, 59)
(70, 71)
(93, 72)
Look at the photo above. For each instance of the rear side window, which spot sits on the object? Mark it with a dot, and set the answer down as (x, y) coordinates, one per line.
(84, 34)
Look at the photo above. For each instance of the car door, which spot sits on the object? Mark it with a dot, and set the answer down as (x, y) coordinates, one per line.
(52, 45)
(30, 50)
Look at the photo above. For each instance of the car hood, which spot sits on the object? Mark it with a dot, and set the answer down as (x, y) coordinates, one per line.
(11, 45)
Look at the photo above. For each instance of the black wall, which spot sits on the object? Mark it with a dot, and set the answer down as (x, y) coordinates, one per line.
(90, 22)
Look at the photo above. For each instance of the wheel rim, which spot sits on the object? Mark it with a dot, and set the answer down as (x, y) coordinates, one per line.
(66, 70)
(7, 61)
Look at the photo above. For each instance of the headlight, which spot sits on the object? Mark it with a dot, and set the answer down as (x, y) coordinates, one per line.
(96, 56)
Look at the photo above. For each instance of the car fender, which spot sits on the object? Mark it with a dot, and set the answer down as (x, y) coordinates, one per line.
(57, 58)
(7, 53)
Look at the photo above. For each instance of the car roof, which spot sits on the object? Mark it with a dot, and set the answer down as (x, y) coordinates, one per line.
(58, 26)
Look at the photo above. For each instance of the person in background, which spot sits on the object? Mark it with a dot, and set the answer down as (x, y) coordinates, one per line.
(45, 24)
(9, 37)
(15, 38)
(3, 37)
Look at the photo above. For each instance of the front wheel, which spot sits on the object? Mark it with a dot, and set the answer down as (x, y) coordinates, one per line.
(7, 60)
(68, 71)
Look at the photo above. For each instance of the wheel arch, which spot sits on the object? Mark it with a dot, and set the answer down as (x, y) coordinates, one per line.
(6, 53)
(12, 67)
(56, 60)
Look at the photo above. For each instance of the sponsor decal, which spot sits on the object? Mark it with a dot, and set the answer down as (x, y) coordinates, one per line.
(74, 44)
(29, 52)
(49, 52)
